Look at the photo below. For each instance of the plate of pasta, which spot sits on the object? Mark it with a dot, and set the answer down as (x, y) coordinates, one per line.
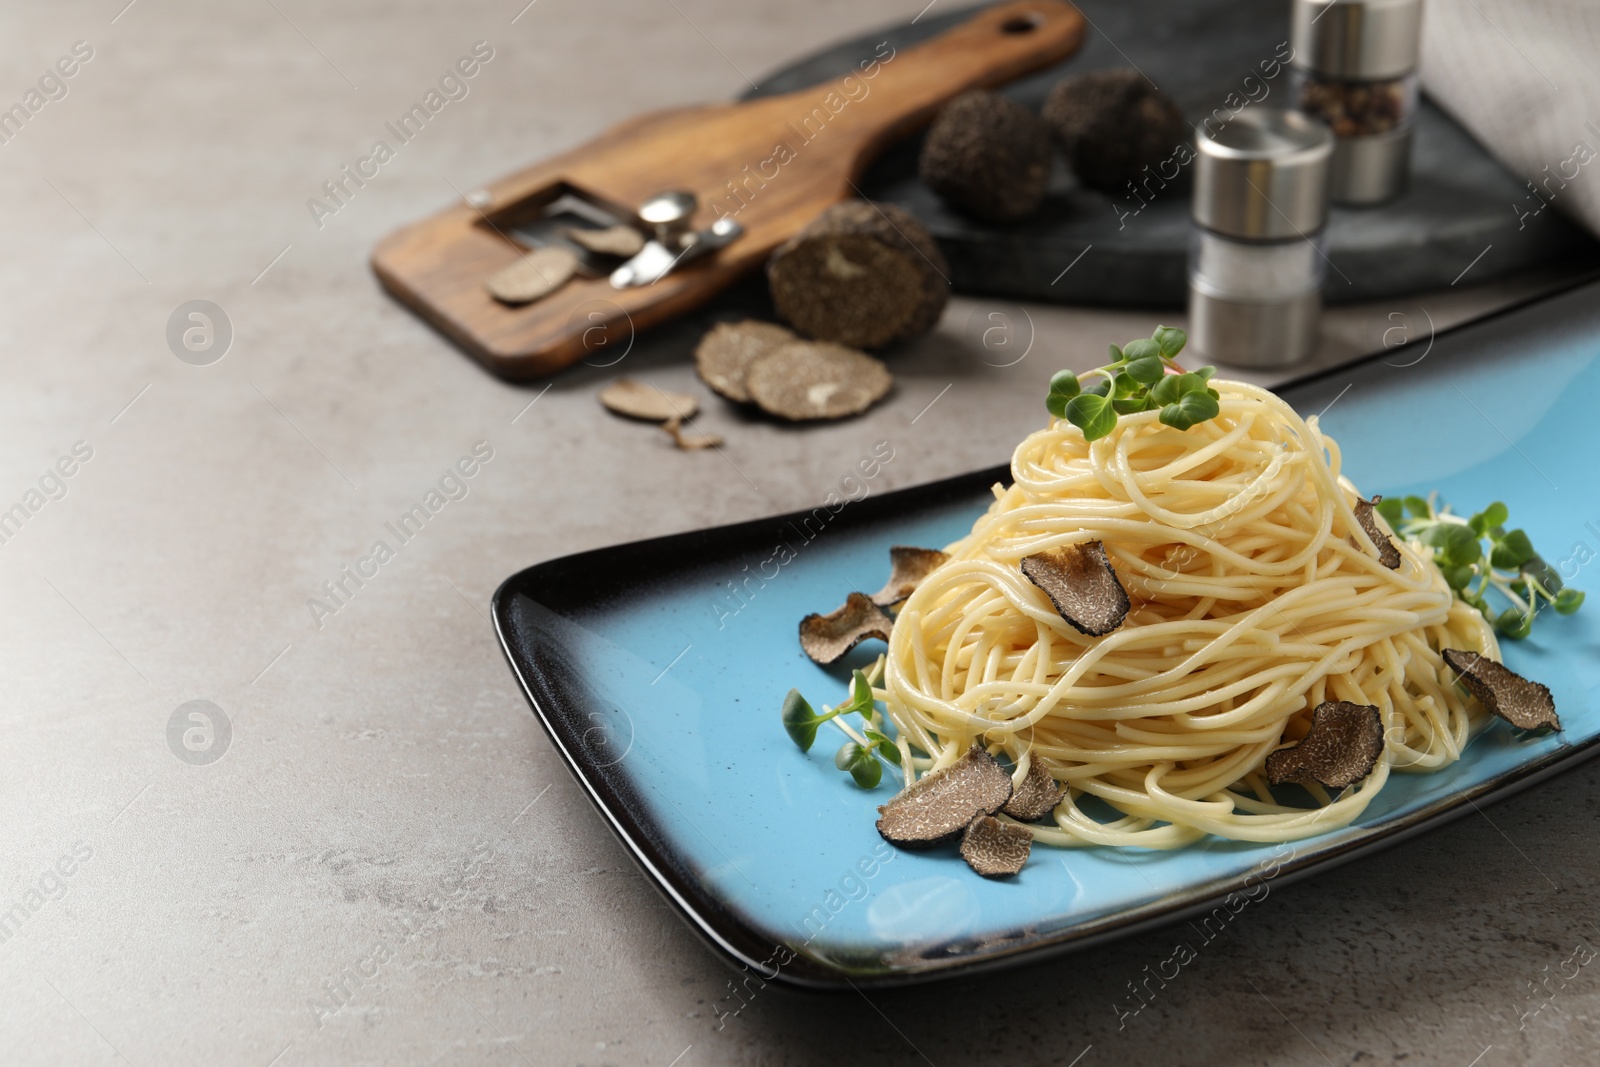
(1196, 637)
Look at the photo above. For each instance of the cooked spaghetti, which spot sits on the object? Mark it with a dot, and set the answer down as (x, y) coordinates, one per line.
(1255, 596)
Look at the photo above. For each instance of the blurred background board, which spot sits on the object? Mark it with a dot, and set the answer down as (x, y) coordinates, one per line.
(1461, 206)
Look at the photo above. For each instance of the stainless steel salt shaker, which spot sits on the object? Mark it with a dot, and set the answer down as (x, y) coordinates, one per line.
(1256, 260)
(1355, 67)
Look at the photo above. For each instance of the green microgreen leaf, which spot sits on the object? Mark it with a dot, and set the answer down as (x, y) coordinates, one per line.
(1392, 511)
(1514, 624)
(1116, 354)
(861, 763)
(1147, 370)
(1567, 601)
(1171, 341)
(1418, 507)
(860, 693)
(884, 747)
(800, 721)
(1065, 383)
(1489, 518)
(1143, 348)
(1190, 409)
(1455, 546)
(1167, 390)
(1092, 414)
(1512, 550)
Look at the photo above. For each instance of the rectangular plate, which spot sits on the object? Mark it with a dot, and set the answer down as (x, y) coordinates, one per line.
(658, 669)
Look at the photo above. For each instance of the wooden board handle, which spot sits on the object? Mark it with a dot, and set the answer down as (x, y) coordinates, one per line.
(774, 163)
(998, 45)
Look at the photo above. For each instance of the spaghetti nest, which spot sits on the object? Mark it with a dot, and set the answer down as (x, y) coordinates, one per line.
(1255, 597)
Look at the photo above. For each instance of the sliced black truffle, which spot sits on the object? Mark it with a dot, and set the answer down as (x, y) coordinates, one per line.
(620, 241)
(1037, 796)
(685, 443)
(1081, 583)
(725, 353)
(861, 274)
(636, 400)
(537, 274)
(907, 568)
(1504, 692)
(1112, 124)
(988, 157)
(939, 805)
(1366, 515)
(995, 849)
(1342, 747)
(826, 638)
(805, 380)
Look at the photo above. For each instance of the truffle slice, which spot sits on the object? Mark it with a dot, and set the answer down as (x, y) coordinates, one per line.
(826, 638)
(620, 241)
(539, 273)
(861, 274)
(907, 568)
(674, 428)
(1037, 796)
(805, 380)
(987, 156)
(639, 401)
(1112, 124)
(940, 805)
(1081, 583)
(995, 849)
(1524, 704)
(1342, 747)
(1388, 554)
(725, 353)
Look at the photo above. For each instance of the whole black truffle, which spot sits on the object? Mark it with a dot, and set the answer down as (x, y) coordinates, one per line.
(1112, 124)
(860, 274)
(988, 157)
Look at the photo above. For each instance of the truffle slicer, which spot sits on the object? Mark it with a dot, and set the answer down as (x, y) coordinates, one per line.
(763, 168)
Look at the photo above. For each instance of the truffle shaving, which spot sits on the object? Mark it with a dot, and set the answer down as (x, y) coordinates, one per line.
(995, 849)
(939, 805)
(637, 400)
(1342, 747)
(1388, 554)
(674, 428)
(725, 353)
(907, 568)
(1081, 583)
(620, 241)
(826, 638)
(1037, 796)
(806, 380)
(1524, 704)
(537, 274)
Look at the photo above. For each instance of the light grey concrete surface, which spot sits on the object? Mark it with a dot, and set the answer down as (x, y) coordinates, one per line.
(386, 813)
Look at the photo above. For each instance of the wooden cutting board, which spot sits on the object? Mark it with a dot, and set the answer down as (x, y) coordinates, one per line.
(773, 164)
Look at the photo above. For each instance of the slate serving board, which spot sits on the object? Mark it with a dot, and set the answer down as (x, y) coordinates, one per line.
(1460, 203)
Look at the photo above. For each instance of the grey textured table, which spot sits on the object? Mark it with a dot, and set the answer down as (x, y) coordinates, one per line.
(388, 864)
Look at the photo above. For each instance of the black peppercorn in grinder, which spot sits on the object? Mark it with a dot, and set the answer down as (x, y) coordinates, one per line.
(1355, 68)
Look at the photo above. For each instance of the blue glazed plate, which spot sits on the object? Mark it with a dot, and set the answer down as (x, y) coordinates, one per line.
(658, 669)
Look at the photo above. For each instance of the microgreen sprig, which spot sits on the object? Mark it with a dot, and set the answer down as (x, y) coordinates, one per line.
(1136, 379)
(858, 757)
(1477, 554)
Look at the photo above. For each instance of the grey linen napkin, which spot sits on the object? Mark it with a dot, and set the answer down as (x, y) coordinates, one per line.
(1524, 77)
